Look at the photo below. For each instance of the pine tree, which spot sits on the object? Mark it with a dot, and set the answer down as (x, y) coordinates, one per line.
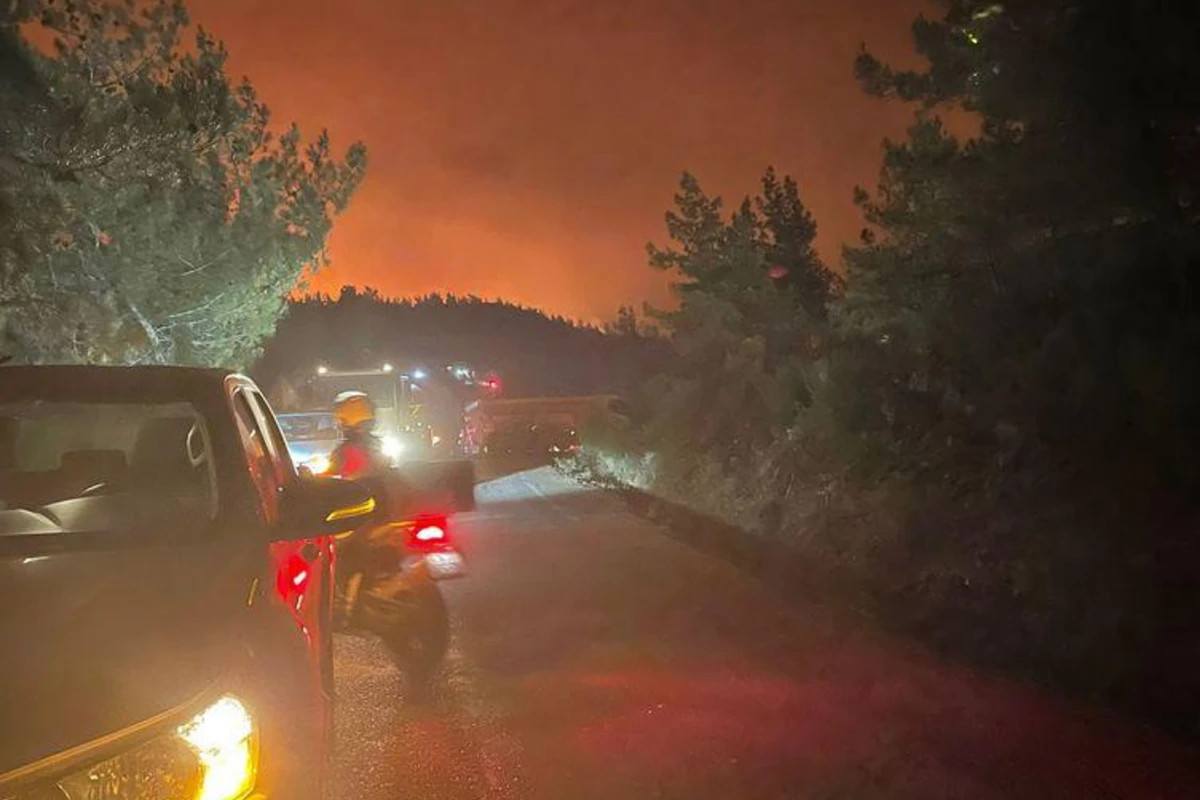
(1024, 318)
(752, 302)
(626, 323)
(153, 216)
(1035, 278)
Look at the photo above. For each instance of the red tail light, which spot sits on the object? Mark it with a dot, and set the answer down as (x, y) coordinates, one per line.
(428, 531)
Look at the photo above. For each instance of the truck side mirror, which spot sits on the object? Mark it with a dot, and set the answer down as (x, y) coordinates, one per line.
(317, 506)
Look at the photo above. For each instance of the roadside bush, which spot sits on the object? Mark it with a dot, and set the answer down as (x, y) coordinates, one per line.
(989, 429)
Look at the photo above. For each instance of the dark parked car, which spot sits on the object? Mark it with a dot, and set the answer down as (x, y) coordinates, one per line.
(165, 589)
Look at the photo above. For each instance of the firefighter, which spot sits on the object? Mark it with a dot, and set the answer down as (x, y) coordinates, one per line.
(359, 456)
(360, 453)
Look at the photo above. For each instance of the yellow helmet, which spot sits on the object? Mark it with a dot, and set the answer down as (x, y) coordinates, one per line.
(353, 410)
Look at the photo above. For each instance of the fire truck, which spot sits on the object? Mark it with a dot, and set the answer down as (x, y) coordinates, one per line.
(403, 424)
(400, 423)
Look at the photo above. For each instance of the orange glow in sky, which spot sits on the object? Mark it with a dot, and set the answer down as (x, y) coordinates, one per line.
(528, 149)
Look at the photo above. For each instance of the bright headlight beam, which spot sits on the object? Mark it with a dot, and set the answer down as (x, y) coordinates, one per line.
(212, 756)
(392, 446)
(223, 738)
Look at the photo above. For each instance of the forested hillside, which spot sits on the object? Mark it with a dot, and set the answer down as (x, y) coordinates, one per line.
(531, 352)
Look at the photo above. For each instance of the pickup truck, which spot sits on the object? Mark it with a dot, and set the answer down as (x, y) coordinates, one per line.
(166, 579)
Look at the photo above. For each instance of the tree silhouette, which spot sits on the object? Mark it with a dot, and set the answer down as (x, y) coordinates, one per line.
(535, 354)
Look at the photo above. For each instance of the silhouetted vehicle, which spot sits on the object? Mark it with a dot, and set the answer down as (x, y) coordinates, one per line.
(400, 425)
(556, 440)
(167, 583)
(511, 425)
(405, 437)
(311, 438)
(533, 441)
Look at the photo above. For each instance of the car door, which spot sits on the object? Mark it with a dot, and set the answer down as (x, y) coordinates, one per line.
(298, 589)
(301, 569)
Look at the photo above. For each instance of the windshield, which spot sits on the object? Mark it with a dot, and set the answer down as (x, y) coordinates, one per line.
(308, 427)
(150, 456)
(384, 389)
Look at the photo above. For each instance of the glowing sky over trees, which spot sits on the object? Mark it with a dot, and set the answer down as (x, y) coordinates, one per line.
(529, 149)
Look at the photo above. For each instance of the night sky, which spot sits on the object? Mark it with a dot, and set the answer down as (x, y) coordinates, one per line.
(528, 149)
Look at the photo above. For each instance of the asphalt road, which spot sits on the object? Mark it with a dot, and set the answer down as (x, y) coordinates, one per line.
(594, 657)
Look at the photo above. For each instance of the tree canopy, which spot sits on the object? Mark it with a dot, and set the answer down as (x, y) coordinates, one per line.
(149, 212)
(748, 331)
(1035, 280)
(532, 352)
(990, 424)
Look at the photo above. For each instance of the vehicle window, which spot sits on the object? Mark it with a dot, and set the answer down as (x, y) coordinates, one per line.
(308, 427)
(157, 454)
(285, 471)
(252, 438)
(263, 471)
(386, 390)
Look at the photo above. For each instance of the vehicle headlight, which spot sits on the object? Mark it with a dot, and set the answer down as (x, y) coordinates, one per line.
(212, 756)
(392, 447)
(318, 464)
(222, 737)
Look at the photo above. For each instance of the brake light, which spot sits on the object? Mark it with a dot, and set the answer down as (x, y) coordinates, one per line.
(430, 533)
(429, 530)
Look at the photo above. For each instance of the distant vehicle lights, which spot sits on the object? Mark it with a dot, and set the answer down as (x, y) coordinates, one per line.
(318, 465)
(392, 447)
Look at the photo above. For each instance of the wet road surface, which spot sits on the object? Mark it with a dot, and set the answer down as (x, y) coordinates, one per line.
(593, 657)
